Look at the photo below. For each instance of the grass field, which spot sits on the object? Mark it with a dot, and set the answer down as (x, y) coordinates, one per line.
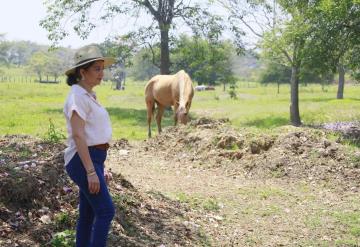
(27, 107)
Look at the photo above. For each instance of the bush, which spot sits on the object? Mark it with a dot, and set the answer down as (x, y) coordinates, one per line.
(53, 135)
(64, 239)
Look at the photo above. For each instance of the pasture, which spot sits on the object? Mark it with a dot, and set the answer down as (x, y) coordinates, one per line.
(271, 185)
(27, 107)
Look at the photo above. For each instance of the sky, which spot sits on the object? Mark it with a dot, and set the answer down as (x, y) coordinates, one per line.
(19, 20)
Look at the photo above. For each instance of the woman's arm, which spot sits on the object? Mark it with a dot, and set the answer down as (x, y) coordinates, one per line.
(78, 133)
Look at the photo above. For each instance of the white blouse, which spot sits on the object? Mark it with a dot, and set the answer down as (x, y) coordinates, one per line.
(97, 121)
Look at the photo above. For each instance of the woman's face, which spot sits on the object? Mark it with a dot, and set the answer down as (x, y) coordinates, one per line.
(94, 74)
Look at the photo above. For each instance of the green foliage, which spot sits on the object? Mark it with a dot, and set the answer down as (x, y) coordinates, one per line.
(37, 59)
(281, 74)
(232, 91)
(334, 32)
(53, 135)
(356, 75)
(143, 65)
(276, 73)
(63, 220)
(38, 63)
(206, 63)
(64, 239)
(17, 52)
(79, 14)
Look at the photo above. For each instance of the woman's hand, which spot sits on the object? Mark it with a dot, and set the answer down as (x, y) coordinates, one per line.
(94, 183)
(108, 176)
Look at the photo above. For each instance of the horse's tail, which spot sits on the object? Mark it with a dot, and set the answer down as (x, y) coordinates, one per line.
(149, 86)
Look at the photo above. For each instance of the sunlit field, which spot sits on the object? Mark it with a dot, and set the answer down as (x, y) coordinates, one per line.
(26, 108)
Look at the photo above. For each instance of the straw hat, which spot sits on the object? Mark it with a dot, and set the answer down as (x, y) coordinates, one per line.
(89, 54)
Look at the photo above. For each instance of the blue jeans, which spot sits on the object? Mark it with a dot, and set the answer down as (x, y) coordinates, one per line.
(95, 210)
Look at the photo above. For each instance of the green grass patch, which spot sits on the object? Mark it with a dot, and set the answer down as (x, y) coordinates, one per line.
(347, 243)
(209, 204)
(314, 221)
(351, 220)
(263, 193)
(27, 107)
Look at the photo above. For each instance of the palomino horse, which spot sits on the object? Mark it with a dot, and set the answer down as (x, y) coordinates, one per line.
(169, 90)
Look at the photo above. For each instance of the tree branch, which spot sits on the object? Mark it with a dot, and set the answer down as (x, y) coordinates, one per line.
(148, 5)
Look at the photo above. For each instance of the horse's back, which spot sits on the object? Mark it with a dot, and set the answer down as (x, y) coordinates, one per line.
(160, 88)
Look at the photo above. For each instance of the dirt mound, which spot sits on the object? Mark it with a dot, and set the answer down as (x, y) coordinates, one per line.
(38, 202)
(295, 153)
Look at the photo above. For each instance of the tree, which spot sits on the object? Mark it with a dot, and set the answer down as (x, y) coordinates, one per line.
(354, 59)
(282, 39)
(162, 12)
(55, 64)
(285, 44)
(206, 62)
(276, 73)
(4, 46)
(301, 34)
(38, 63)
(143, 67)
(335, 36)
(121, 49)
(47, 63)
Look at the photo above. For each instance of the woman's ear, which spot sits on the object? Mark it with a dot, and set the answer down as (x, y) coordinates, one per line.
(82, 74)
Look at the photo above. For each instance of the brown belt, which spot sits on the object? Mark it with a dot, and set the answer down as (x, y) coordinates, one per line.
(104, 146)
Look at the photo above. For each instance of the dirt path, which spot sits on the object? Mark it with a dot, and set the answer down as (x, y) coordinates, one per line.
(236, 210)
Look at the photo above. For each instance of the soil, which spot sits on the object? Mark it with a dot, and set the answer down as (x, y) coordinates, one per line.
(204, 184)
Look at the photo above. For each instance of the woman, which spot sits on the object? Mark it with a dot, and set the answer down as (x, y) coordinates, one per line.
(89, 132)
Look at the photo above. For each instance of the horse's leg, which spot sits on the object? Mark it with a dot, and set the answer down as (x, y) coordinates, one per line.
(150, 109)
(159, 115)
(176, 107)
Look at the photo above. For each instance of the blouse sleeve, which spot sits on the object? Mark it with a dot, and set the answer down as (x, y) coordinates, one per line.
(78, 103)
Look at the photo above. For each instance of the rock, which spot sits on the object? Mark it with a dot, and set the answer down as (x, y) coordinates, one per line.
(123, 152)
(45, 219)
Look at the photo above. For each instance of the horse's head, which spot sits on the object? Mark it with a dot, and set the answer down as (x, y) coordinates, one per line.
(186, 93)
(182, 113)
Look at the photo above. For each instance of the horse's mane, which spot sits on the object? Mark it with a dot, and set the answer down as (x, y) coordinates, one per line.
(181, 77)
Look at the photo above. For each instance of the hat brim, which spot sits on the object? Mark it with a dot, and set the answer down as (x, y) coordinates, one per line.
(107, 62)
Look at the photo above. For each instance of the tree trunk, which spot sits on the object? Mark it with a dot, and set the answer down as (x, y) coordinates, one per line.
(340, 92)
(164, 45)
(224, 88)
(278, 87)
(294, 105)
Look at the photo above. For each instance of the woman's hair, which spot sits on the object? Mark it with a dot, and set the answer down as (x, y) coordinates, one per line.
(75, 77)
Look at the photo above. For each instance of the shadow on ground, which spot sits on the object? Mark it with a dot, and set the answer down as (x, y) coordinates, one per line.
(267, 122)
(134, 116)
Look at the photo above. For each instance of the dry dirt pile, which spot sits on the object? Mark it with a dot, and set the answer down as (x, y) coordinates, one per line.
(296, 153)
(38, 203)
